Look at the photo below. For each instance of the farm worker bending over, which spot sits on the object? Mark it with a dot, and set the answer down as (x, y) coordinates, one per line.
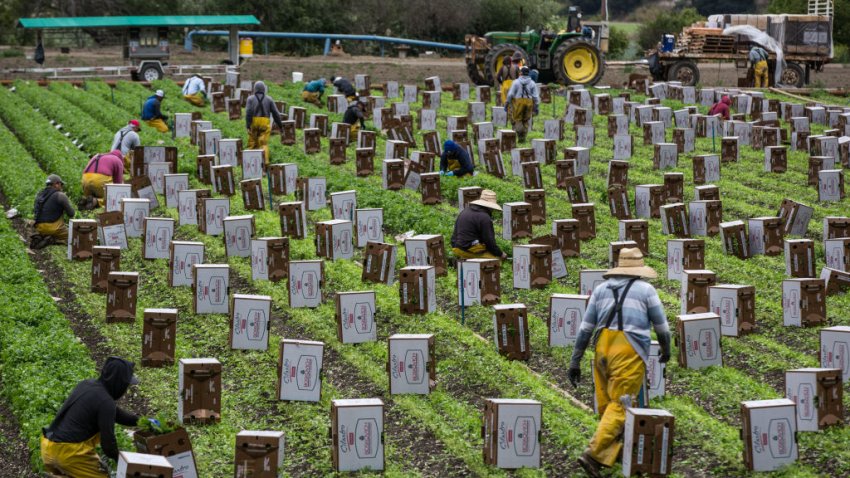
(473, 236)
(101, 170)
(455, 160)
(257, 111)
(616, 325)
(86, 419)
(126, 139)
(721, 108)
(352, 116)
(344, 87)
(194, 91)
(524, 100)
(152, 114)
(50, 206)
(509, 72)
(758, 58)
(313, 92)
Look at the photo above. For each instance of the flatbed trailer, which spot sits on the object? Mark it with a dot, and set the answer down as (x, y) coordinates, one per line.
(118, 71)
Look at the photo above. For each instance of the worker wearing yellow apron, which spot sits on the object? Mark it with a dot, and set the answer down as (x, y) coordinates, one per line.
(194, 91)
(101, 170)
(355, 118)
(313, 91)
(87, 419)
(523, 100)
(509, 72)
(473, 236)
(51, 205)
(758, 57)
(258, 109)
(152, 112)
(619, 332)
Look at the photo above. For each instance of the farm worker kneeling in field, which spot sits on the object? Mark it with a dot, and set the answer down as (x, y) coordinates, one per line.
(353, 115)
(194, 91)
(126, 139)
(101, 170)
(86, 419)
(152, 112)
(524, 101)
(473, 236)
(509, 72)
(313, 92)
(344, 87)
(616, 325)
(257, 111)
(50, 206)
(721, 108)
(455, 160)
(758, 58)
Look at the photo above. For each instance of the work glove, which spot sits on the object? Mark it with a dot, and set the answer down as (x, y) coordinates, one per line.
(574, 375)
(536, 110)
(664, 343)
(442, 173)
(450, 173)
(665, 357)
(155, 422)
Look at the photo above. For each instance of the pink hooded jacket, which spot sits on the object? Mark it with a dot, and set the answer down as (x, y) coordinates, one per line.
(109, 164)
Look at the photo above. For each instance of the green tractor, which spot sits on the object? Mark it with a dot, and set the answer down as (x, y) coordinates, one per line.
(574, 56)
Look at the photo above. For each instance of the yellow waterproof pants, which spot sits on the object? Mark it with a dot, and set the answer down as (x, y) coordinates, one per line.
(57, 229)
(352, 132)
(478, 251)
(158, 124)
(258, 135)
(94, 184)
(503, 91)
(197, 99)
(521, 112)
(128, 160)
(760, 72)
(311, 97)
(617, 371)
(77, 460)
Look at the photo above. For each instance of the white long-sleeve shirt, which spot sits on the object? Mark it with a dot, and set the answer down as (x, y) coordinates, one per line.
(193, 86)
(125, 139)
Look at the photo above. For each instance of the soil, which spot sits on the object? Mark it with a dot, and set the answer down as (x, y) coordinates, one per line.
(279, 68)
(14, 452)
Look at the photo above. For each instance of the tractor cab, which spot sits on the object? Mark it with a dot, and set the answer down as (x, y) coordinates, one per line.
(574, 19)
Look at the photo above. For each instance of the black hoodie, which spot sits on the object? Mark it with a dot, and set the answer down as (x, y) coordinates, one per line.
(91, 408)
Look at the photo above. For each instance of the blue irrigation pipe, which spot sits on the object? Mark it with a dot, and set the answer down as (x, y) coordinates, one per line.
(327, 37)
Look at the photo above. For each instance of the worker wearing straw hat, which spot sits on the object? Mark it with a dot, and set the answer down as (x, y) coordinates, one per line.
(473, 236)
(617, 325)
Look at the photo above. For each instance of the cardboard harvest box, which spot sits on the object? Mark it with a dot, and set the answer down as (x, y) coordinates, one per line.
(735, 304)
(769, 432)
(121, 295)
(357, 434)
(379, 263)
(158, 232)
(306, 279)
(699, 340)
(818, 393)
(411, 363)
(299, 370)
(211, 284)
(648, 442)
(105, 259)
(835, 349)
(238, 232)
(259, 454)
(512, 433)
(417, 290)
(159, 331)
(293, 219)
(684, 254)
(200, 390)
(370, 225)
(82, 237)
(566, 312)
(803, 302)
(250, 322)
(589, 279)
(270, 258)
(655, 372)
(426, 250)
(478, 282)
(137, 465)
(183, 255)
(510, 331)
(355, 317)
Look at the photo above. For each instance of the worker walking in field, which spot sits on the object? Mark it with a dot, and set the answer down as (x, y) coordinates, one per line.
(87, 419)
(473, 236)
(344, 87)
(313, 92)
(51, 205)
(455, 160)
(101, 170)
(616, 325)
(721, 108)
(127, 139)
(258, 109)
(758, 59)
(509, 72)
(152, 112)
(355, 118)
(523, 100)
(194, 90)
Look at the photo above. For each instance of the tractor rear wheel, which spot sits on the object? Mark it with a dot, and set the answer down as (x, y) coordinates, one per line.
(476, 74)
(793, 75)
(578, 61)
(496, 57)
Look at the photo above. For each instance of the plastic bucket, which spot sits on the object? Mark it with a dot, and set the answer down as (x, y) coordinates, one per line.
(297, 76)
(246, 47)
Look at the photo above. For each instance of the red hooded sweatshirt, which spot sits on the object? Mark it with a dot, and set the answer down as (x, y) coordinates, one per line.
(109, 164)
(721, 108)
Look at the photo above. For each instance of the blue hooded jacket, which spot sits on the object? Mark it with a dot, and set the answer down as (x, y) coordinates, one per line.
(151, 109)
(452, 150)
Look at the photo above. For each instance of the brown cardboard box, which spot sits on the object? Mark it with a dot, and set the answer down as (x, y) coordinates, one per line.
(142, 155)
(705, 217)
(507, 140)
(566, 231)
(734, 238)
(159, 330)
(510, 331)
(299, 115)
(698, 337)
(618, 173)
(287, 133)
(312, 141)
(252, 194)
(223, 180)
(532, 266)
(337, 150)
(818, 394)
(512, 433)
(341, 131)
(365, 161)
(576, 190)
(357, 434)
(335, 239)
(137, 464)
(430, 187)
(203, 165)
(695, 285)
(836, 280)
(531, 177)
(648, 442)
(564, 168)
(200, 391)
(480, 282)
(775, 159)
(516, 220)
(803, 302)
(379, 263)
(614, 249)
(293, 219)
(674, 220)
(259, 454)
(796, 217)
(769, 432)
(729, 149)
(176, 447)
(648, 200)
(666, 156)
(277, 257)
(537, 199)
(618, 202)
(121, 294)
(816, 164)
(104, 261)
(835, 227)
(586, 216)
(708, 192)
(674, 187)
(141, 187)
(426, 250)
(493, 164)
(735, 305)
(766, 236)
(466, 195)
(417, 290)
(393, 174)
(800, 258)
(82, 236)
(636, 230)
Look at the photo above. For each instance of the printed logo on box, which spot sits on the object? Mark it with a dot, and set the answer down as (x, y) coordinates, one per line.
(302, 373)
(252, 326)
(837, 357)
(183, 266)
(805, 399)
(359, 318)
(308, 285)
(214, 292)
(239, 238)
(363, 439)
(411, 368)
(521, 438)
(778, 439)
(726, 311)
(702, 344)
(567, 322)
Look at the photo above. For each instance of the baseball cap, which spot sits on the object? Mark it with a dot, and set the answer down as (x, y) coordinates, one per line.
(53, 179)
(134, 123)
(160, 93)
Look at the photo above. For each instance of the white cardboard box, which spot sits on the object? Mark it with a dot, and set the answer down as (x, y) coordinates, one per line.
(769, 433)
(174, 183)
(187, 207)
(410, 363)
(228, 151)
(316, 194)
(114, 194)
(836, 253)
(835, 349)
(133, 464)
(344, 204)
(699, 340)
(357, 317)
(416, 250)
(250, 321)
(801, 387)
(305, 283)
(158, 234)
(300, 375)
(184, 255)
(589, 279)
(512, 431)
(252, 163)
(135, 211)
(469, 283)
(156, 173)
(655, 372)
(215, 210)
(238, 231)
(337, 239)
(566, 312)
(358, 434)
(212, 287)
(370, 225)
(723, 301)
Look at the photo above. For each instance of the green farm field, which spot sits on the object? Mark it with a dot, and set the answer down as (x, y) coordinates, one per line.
(47, 345)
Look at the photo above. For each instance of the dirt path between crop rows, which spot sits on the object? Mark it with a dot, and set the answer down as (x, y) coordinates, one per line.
(14, 452)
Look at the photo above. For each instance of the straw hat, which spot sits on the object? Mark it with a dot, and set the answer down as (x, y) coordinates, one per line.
(488, 200)
(630, 263)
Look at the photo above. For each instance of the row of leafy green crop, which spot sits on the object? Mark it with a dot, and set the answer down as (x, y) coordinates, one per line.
(19, 172)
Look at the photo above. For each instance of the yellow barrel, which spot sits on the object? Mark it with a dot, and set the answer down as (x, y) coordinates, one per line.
(246, 47)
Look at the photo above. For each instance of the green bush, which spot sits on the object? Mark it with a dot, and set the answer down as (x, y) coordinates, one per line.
(650, 32)
(618, 43)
